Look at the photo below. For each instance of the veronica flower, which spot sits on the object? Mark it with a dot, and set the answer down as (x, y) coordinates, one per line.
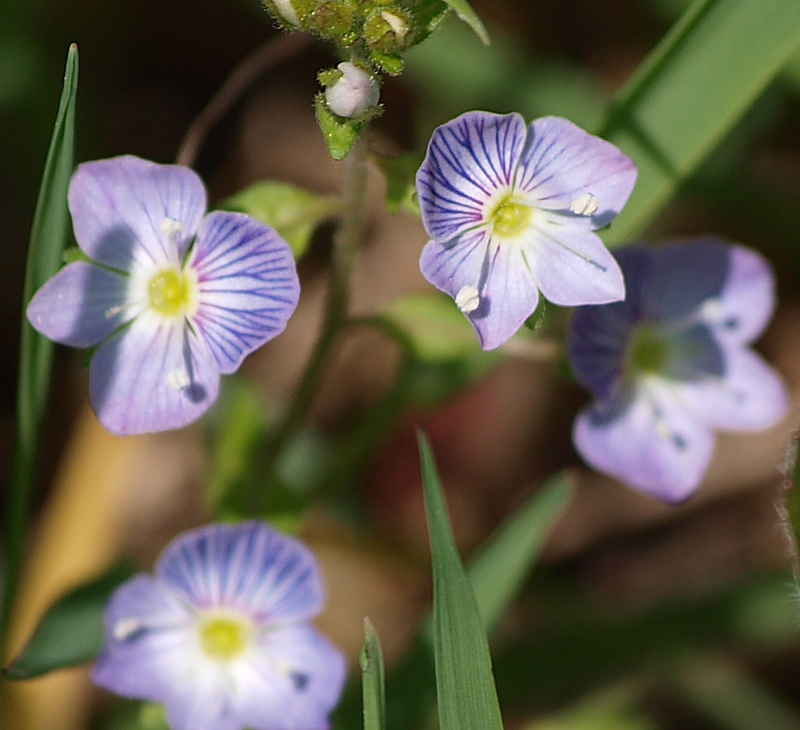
(173, 297)
(220, 634)
(671, 365)
(512, 209)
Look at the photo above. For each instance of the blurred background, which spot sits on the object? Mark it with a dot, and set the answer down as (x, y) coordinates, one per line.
(640, 616)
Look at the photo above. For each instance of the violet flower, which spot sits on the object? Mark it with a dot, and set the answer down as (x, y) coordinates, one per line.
(670, 365)
(173, 297)
(512, 209)
(220, 634)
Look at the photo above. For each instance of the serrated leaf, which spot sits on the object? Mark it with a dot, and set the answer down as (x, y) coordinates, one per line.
(372, 679)
(465, 13)
(292, 211)
(70, 632)
(465, 690)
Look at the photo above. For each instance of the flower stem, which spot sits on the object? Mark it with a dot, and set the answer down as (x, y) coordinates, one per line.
(346, 243)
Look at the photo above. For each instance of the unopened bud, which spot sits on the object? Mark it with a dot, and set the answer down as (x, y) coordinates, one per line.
(284, 12)
(388, 30)
(355, 92)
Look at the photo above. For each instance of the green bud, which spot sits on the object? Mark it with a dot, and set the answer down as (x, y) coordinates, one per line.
(332, 19)
(388, 30)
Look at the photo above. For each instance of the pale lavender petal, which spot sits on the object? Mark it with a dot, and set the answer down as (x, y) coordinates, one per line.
(292, 682)
(148, 643)
(566, 169)
(119, 208)
(571, 265)
(152, 376)
(202, 699)
(469, 159)
(248, 286)
(749, 397)
(248, 567)
(645, 439)
(81, 305)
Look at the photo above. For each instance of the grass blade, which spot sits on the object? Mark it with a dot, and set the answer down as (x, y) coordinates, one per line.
(372, 680)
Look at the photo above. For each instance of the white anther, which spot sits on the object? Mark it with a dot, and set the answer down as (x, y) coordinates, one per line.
(710, 309)
(586, 204)
(112, 311)
(171, 227)
(178, 379)
(125, 628)
(468, 299)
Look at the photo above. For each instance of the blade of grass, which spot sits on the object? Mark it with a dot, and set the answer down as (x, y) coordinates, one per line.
(48, 234)
(465, 690)
(372, 680)
(690, 91)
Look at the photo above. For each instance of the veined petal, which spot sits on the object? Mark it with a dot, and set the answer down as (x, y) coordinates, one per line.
(148, 641)
(644, 438)
(127, 211)
(571, 264)
(749, 396)
(247, 567)
(202, 700)
(292, 680)
(81, 305)
(568, 170)
(469, 159)
(248, 286)
(152, 376)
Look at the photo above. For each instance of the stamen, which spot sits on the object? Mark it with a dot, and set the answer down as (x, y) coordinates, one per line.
(586, 204)
(171, 228)
(125, 628)
(468, 299)
(178, 379)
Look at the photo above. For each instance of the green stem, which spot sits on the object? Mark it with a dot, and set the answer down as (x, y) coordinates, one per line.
(346, 243)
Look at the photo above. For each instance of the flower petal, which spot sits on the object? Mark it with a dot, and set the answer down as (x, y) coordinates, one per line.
(121, 209)
(568, 170)
(248, 286)
(506, 290)
(201, 700)
(469, 158)
(247, 567)
(152, 376)
(81, 305)
(148, 641)
(749, 396)
(293, 680)
(571, 265)
(645, 439)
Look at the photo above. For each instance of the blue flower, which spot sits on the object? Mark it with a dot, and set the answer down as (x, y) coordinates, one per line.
(220, 634)
(173, 297)
(671, 365)
(512, 209)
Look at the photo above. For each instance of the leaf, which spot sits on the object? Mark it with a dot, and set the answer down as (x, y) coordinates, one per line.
(690, 91)
(48, 234)
(498, 571)
(466, 694)
(372, 678)
(71, 632)
(465, 13)
(428, 15)
(293, 212)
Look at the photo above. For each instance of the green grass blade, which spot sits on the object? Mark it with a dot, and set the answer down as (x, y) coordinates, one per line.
(464, 12)
(47, 238)
(466, 694)
(689, 92)
(498, 571)
(372, 680)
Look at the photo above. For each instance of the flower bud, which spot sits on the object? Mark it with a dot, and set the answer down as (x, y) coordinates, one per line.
(284, 12)
(388, 30)
(353, 93)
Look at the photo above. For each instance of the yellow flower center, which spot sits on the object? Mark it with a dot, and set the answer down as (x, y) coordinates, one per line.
(171, 293)
(223, 638)
(510, 218)
(648, 350)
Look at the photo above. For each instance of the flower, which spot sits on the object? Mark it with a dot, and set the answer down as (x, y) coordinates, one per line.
(172, 296)
(220, 634)
(354, 93)
(670, 366)
(511, 210)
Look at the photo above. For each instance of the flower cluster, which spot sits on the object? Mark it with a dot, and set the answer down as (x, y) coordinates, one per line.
(511, 210)
(173, 297)
(670, 365)
(220, 634)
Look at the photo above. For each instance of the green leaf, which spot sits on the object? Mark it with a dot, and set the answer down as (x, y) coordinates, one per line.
(428, 16)
(48, 234)
(690, 91)
(71, 632)
(340, 134)
(465, 12)
(372, 678)
(466, 694)
(293, 212)
(498, 571)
